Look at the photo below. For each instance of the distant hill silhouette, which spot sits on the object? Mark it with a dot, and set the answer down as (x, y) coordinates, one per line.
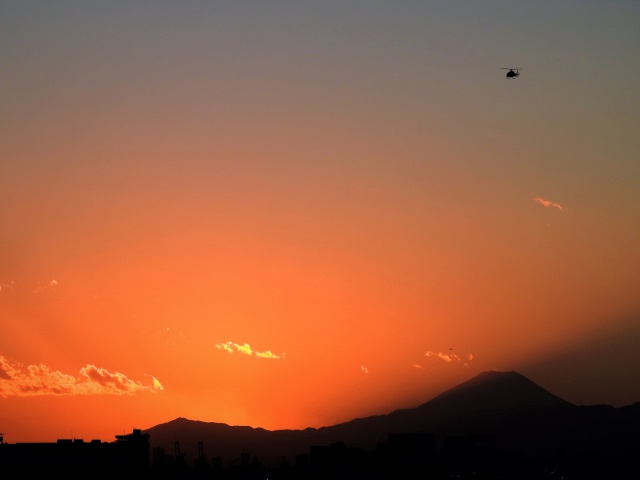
(522, 416)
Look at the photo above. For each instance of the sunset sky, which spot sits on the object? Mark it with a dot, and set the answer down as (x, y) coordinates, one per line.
(290, 214)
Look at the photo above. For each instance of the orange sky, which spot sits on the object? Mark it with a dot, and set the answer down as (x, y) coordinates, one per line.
(287, 216)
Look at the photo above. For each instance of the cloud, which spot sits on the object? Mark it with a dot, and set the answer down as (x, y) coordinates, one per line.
(450, 357)
(38, 380)
(246, 349)
(41, 287)
(266, 354)
(6, 370)
(547, 203)
(156, 383)
(443, 356)
(364, 369)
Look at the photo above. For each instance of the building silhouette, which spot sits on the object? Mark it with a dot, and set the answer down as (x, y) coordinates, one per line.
(127, 456)
(403, 455)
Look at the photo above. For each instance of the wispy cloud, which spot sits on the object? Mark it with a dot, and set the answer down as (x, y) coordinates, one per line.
(267, 354)
(451, 357)
(48, 285)
(38, 380)
(246, 349)
(40, 286)
(442, 356)
(547, 203)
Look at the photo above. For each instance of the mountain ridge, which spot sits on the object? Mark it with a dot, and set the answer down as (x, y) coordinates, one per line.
(521, 415)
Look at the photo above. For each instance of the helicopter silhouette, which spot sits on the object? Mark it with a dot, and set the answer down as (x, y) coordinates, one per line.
(512, 73)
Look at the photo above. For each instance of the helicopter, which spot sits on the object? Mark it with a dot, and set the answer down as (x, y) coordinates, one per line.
(512, 73)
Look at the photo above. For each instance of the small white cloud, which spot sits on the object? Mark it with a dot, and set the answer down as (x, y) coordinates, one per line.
(547, 203)
(267, 354)
(156, 384)
(43, 286)
(246, 349)
(448, 357)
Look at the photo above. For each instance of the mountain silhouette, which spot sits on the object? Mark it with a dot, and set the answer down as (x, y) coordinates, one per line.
(520, 415)
(495, 390)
